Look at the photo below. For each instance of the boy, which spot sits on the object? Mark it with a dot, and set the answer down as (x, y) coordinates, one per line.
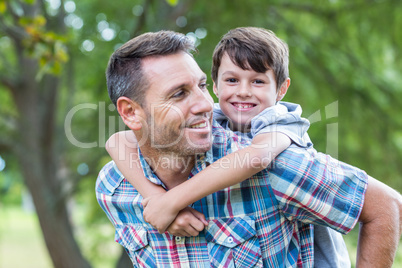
(250, 75)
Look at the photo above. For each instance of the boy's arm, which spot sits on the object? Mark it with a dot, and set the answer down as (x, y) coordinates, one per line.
(227, 171)
(122, 147)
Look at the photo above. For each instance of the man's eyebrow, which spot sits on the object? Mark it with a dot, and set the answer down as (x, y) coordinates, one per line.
(203, 77)
(175, 87)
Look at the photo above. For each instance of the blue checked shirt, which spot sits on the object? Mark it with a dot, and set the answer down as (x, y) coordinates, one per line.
(265, 221)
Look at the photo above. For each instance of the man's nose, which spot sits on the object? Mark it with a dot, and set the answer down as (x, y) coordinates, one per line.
(202, 102)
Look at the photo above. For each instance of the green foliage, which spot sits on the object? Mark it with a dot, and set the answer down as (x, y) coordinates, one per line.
(3, 7)
(172, 2)
(46, 46)
(11, 187)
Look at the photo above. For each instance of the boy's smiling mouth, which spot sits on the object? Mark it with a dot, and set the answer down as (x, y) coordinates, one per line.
(243, 105)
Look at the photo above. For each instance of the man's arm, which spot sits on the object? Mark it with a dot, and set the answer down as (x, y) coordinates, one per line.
(380, 226)
(321, 190)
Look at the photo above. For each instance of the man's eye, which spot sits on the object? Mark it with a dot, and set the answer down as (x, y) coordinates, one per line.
(178, 94)
(204, 86)
(231, 80)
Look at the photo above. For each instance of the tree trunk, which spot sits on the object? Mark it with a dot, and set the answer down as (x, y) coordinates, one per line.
(54, 221)
(36, 104)
(124, 260)
(41, 179)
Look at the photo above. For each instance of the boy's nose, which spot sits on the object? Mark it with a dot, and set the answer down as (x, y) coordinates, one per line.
(244, 91)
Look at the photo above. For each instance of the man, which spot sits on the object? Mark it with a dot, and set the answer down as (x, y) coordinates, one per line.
(161, 94)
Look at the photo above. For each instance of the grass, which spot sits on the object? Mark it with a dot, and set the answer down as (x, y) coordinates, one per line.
(22, 245)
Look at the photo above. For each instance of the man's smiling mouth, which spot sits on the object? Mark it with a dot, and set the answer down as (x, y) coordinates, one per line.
(199, 125)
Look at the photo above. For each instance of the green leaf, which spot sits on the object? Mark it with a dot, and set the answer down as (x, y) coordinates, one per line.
(172, 2)
(29, 1)
(39, 21)
(3, 7)
(24, 21)
(61, 53)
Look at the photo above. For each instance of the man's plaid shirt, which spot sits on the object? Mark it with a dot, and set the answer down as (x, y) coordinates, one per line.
(265, 221)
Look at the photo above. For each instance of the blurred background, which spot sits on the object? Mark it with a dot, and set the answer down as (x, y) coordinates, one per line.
(55, 114)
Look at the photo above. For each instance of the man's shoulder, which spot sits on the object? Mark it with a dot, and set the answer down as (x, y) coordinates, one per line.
(109, 178)
(299, 155)
(309, 162)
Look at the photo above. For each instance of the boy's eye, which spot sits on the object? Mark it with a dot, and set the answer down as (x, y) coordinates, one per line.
(258, 81)
(231, 80)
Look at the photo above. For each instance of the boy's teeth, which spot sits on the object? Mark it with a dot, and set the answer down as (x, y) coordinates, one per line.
(200, 125)
(244, 106)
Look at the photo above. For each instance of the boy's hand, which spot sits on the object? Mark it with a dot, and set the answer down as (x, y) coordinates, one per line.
(160, 214)
(189, 222)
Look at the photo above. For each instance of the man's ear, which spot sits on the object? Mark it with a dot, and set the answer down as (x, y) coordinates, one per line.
(131, 112)
(215, 90)
(283, 89)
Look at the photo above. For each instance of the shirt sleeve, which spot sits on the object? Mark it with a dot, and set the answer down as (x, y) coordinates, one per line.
(117, 197)
(315, 188)
(284, 117)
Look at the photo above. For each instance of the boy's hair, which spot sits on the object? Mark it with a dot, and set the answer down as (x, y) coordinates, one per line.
(124, 73)
(256, 48)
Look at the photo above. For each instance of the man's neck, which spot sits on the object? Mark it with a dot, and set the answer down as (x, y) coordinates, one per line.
(170, 168)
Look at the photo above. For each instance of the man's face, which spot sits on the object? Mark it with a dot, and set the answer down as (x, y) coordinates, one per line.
(243, 93)
(178, 105)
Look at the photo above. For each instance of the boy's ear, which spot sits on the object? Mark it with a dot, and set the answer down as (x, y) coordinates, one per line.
(283, 89)
(131, 112)
(215, 90)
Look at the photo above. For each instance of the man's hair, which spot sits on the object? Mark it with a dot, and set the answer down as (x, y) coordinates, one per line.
(124, 73)
(256, 48)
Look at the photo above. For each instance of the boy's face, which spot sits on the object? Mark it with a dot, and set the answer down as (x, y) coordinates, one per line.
(245, 93)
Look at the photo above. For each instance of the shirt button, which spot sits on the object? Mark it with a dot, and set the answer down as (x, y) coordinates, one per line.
(178, 238)
(230, 239)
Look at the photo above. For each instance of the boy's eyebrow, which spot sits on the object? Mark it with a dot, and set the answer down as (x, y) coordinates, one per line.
(228, 72)
(234, 73)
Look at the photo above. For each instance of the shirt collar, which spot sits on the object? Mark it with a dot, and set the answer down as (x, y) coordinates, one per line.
(203, 160)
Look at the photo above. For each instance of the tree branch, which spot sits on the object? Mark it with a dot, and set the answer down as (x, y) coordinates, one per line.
(42, 6)
(11, 11)
(9, 84)
(141, 18)
(5, 145)
(14, 32)
(328, 13)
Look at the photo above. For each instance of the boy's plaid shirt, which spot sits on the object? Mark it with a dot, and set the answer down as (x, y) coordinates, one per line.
(264, 221)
